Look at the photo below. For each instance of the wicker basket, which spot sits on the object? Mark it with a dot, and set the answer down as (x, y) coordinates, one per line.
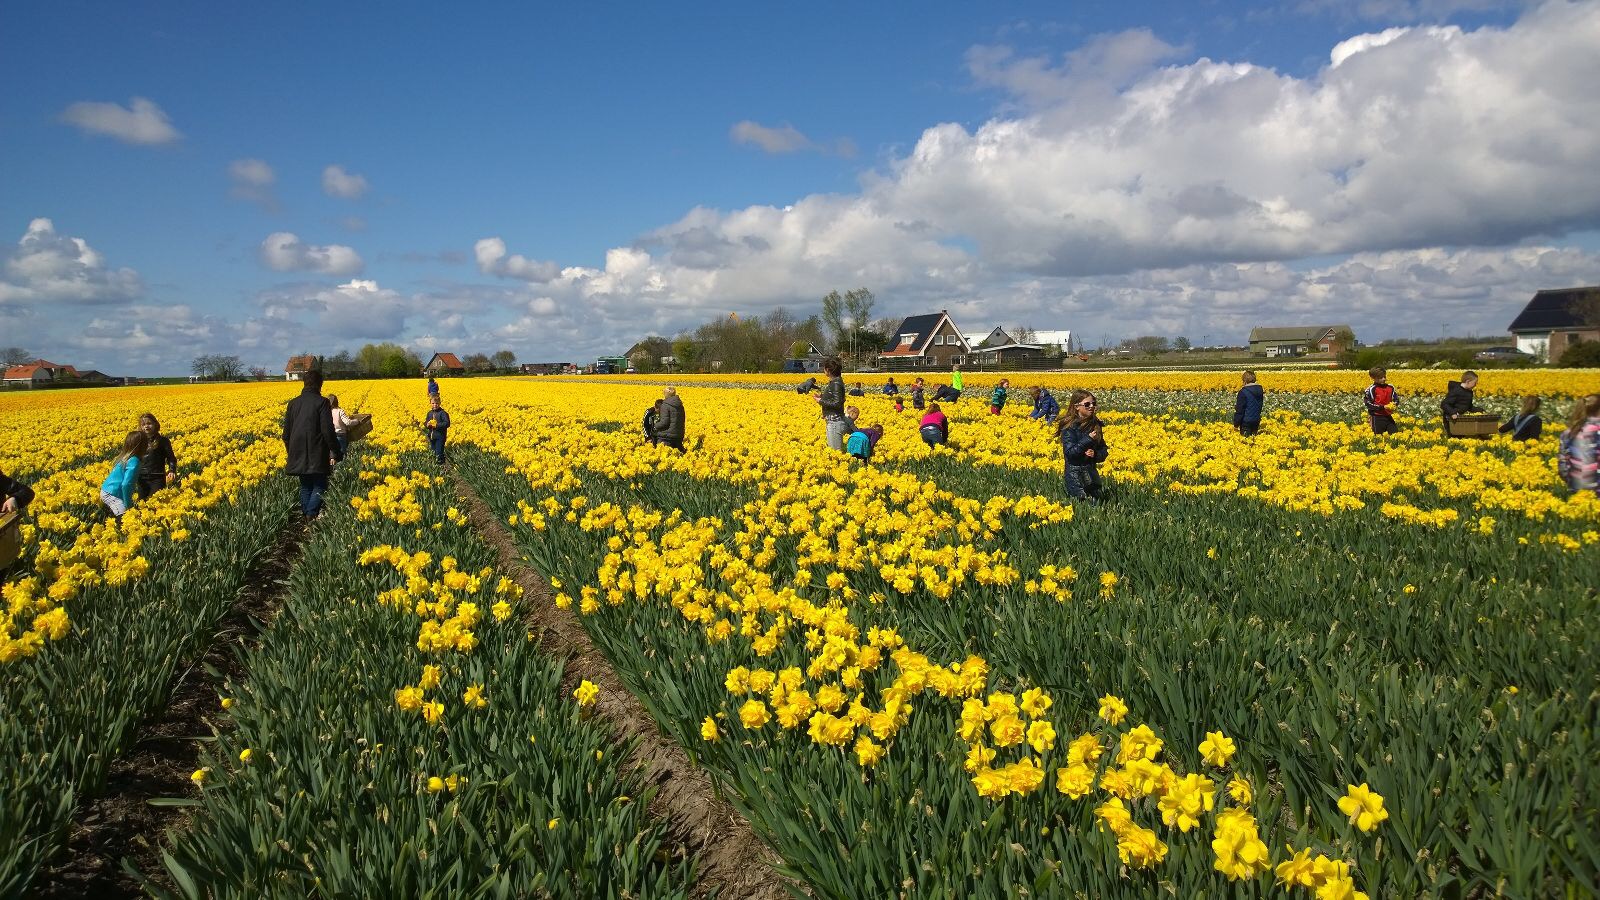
(10, 538)
(1472, 425)
(360, 426)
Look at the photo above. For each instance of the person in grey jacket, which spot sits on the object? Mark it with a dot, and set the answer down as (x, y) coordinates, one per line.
(832, 400)
(670, 420)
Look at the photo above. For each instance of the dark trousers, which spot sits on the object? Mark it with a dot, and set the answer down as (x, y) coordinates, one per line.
(149, 484)
(1249, 429)
(1383, 425)
(344, 443)
(312, 487)
(436, 444)
(1083, 482)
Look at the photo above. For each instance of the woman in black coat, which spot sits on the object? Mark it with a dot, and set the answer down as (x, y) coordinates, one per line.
(309, 443)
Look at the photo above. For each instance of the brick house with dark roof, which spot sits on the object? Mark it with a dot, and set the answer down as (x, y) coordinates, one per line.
(1555, 320)
(927, 341)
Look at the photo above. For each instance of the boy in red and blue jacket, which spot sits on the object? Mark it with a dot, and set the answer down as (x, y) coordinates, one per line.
(1381, 398)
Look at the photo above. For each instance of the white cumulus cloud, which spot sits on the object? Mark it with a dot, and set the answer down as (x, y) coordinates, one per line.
(141, 122)
(285, 252)
(336, 182)
(492, 260)
(46, 266)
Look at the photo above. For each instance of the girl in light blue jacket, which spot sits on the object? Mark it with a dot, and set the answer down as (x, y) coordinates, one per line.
(116, 492)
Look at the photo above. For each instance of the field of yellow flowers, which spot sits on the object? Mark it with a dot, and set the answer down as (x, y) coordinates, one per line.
(1316, 662)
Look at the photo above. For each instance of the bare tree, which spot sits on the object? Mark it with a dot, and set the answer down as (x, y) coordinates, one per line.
(15, 356)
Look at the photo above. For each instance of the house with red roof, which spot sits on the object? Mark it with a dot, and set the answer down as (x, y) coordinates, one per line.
(297, 367)
(444, 364)
(32, 375)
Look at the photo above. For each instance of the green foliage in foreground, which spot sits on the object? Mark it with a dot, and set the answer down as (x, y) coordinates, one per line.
(73, 708)
(335, 802)
(1299, 640)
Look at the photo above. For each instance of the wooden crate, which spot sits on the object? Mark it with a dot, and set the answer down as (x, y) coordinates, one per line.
(360, 426)
(1472, 425)
(10, 538)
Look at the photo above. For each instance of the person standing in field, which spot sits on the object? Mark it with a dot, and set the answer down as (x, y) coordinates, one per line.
(158, 467)
(1579, 459)
(341, 424)
(437, 424)
(433, 387)
(997, 399)
(1381, 400)
(1247, 405)
(917, 399)
(118, 490)
(309, 443)
(1045, 406)
(955, 380)
(1083, 446)
(669, 427)
(831, 399)
(1525, 425)
(14, 495)
(935, 427)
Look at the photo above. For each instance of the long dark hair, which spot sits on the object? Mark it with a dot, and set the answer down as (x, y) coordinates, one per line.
(1069, 416)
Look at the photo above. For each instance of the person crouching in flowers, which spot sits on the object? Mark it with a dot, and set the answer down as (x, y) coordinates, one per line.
(997, 399)
(14, 495)
(935, 427)
(117, 491)
(1525, 425)
(1083, 446)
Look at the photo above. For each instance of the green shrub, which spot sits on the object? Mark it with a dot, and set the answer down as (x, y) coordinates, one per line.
(1585, 355)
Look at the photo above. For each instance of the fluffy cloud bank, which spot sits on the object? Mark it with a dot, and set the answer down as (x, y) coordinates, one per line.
(1113, 169)
(285, 252)
(49, 267)
(141, 122)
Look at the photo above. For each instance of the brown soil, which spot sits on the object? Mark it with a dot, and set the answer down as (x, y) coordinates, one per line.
(119, 826)
(730, 859)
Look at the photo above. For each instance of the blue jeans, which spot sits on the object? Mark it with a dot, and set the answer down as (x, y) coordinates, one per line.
(436, 444)
(1083, 482)
(344, 443)
(312, 487)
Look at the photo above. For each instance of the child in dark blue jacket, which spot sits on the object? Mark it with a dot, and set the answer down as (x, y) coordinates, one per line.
(1044, 405)
(1083, 446)
(1247, 406)
(438, 425)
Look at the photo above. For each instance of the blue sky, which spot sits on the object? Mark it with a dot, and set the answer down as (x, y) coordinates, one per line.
(180, 178)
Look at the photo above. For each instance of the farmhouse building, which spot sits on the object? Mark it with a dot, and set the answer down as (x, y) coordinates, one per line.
(1301, 340)
(297, 367)
(31, 375)
(444, 364)
(1555, 320)
(925, 341)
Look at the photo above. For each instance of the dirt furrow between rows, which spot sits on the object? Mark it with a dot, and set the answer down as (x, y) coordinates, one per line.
(730, 859)
(119, 826)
